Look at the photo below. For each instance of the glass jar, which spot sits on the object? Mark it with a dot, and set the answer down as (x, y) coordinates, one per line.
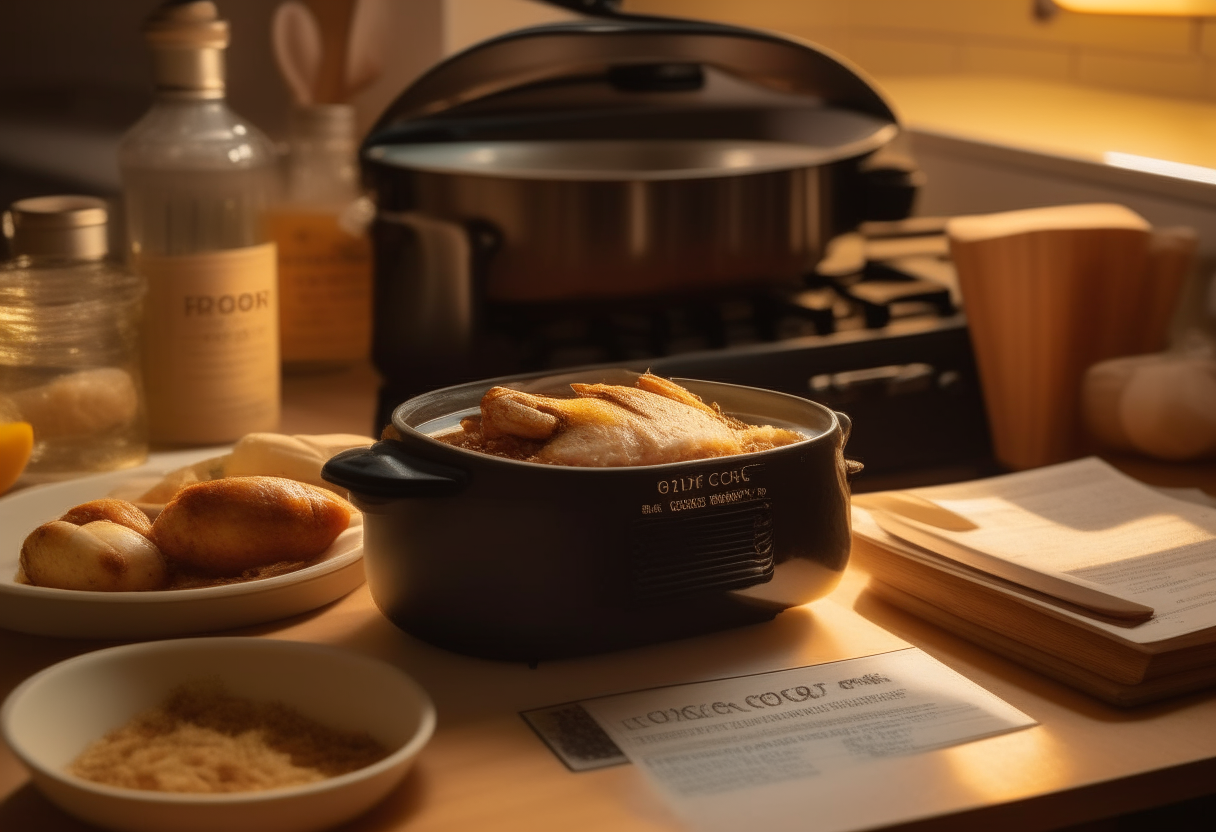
(69, 340)
(325, 259)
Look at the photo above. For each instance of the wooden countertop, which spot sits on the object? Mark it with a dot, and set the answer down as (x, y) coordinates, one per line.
(1082, 122)
(484, 769)
(1145, 142)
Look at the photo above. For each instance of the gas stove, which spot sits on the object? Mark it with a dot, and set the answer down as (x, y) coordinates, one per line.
(875, 331)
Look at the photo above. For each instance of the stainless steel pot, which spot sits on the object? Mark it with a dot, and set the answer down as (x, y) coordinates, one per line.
(634, 157)
(622, 217)
(615, 159)
(516, 560)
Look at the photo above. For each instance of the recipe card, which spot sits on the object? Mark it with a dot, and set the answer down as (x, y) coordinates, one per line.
(756, 748)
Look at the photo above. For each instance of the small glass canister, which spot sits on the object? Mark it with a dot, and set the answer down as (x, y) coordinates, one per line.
(69, 340)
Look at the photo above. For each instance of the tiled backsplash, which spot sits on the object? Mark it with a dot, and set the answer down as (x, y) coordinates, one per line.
(1166, 56)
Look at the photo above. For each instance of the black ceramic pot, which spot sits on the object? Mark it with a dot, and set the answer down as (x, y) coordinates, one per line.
(514, 560)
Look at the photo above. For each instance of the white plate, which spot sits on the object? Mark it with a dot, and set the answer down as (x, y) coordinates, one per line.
(141, 615)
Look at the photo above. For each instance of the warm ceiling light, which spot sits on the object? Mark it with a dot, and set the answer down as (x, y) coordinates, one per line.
(1187, 8)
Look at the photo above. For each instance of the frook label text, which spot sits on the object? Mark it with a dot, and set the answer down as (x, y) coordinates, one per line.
(200, 305)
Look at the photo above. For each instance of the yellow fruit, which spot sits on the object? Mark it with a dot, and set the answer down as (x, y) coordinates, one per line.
(16, 442)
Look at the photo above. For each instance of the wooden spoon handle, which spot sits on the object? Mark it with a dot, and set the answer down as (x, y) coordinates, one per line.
(334, 20)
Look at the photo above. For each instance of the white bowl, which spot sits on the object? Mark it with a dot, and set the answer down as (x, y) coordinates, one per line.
(52, 716)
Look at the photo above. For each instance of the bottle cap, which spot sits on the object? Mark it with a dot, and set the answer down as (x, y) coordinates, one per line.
(58, 226)
(188, 41)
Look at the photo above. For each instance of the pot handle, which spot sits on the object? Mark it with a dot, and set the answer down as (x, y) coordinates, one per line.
(846, 427)
(851, 466)
(891, 181)
(429, 293)
(387, 470)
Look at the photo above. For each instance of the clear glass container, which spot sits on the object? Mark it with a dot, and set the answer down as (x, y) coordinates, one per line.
(319, 228)
(322, 169)
(197, 180)
(69, 341)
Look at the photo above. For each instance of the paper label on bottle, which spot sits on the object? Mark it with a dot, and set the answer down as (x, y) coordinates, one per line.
(211, 344)
(325, 287)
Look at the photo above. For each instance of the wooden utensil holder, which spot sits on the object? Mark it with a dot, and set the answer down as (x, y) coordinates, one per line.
(1048, 292)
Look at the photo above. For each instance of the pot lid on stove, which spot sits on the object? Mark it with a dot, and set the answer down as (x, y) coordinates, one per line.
(628, 77)
(610, 160)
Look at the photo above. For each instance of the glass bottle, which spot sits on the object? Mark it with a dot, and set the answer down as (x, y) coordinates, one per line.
(325, 265)
(69, 340)
(196, 181)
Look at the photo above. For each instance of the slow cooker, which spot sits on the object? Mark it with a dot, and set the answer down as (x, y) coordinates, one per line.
(506, 559)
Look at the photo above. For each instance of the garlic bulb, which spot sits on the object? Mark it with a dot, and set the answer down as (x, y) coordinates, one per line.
(1162, 405)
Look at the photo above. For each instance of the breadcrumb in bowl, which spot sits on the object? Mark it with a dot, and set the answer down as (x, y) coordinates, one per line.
(52, 717)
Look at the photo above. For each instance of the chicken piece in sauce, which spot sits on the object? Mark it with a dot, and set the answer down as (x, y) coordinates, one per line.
(608, 425)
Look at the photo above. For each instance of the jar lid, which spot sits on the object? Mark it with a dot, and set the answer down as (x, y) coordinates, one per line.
(64, 226)
(324, 121)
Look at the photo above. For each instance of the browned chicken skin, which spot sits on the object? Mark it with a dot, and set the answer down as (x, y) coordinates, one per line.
(608, 425)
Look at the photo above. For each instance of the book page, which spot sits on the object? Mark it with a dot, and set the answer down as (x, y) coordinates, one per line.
(764, 750)
(1085, 518)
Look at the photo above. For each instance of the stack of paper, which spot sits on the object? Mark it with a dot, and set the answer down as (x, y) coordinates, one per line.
(1074, 569)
